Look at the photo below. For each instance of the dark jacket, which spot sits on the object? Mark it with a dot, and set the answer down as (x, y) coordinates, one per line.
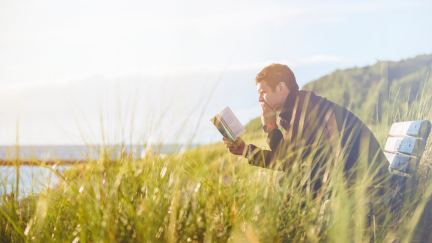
(314, 128)
(315, 136)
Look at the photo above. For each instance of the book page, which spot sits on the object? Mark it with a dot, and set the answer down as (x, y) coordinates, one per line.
(216, 120)
(228, 124)
(234, 125)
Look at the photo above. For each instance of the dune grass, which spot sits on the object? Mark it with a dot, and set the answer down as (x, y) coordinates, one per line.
(207, 195)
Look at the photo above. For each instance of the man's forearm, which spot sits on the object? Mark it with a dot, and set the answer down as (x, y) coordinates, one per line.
(274, 139)
(261, 157)
(257, 156)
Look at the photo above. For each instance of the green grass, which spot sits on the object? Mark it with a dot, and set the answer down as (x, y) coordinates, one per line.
(208, 195)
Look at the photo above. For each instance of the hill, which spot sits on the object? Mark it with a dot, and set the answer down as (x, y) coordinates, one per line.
(367, 90)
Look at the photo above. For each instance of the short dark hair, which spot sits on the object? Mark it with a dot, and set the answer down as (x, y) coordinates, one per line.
(275, 73)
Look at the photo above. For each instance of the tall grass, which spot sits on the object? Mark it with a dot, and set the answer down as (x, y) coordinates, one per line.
(207, 195)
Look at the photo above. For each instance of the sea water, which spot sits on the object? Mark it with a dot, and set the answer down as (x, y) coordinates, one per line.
(33, 179)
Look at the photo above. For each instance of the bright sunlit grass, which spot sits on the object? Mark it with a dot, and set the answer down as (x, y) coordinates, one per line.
(207, 195)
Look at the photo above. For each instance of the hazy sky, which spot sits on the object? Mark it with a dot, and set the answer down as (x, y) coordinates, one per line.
(66, 62)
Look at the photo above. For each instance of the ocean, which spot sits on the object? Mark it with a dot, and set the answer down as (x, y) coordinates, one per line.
(33, 179)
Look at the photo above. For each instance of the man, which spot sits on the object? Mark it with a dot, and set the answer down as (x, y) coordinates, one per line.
(302, 126)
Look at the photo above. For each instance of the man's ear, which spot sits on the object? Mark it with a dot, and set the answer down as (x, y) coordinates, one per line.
(281, 86)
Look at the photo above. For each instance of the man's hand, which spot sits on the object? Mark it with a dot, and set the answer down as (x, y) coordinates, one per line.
(237, 147)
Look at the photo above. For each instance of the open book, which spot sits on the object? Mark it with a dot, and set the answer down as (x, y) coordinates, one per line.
(228, 124)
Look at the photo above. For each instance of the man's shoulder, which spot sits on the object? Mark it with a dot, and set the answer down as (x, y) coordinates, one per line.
(319, 100)
(308, 96)
(310, 102)
(303, 102)
(324, 105)
(342, 113)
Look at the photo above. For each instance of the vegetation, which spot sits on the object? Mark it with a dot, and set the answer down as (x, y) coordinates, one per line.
(207, 195)
(367, 90)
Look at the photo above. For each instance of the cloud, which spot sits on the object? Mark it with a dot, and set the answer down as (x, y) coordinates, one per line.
(282, 12)
(294, 62)
(321, 59)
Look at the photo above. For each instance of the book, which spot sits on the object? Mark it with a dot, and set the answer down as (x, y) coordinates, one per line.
(228, 124)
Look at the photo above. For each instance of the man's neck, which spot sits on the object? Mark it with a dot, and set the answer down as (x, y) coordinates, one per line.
(283, 103)
(280, 108)
(289, 99)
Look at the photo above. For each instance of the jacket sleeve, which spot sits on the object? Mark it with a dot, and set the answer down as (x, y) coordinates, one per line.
(261, 157)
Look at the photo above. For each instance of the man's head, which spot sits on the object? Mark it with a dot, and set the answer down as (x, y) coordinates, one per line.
(274, 83)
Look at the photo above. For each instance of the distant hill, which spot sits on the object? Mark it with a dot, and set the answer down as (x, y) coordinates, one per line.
(368, 91)
(372, 90)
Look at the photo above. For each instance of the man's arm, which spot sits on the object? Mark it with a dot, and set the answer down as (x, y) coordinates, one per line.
(331, 127)
(261, 157)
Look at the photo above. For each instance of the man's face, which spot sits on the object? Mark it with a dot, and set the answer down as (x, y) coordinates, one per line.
(269, 98)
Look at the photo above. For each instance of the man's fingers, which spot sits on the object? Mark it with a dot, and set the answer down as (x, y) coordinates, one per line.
(228, 142)
(232, 147)
(235, 147)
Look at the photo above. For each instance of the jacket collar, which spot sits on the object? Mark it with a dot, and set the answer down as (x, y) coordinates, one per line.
(288, 106)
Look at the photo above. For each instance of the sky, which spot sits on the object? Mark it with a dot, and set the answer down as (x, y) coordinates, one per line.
(137, 71)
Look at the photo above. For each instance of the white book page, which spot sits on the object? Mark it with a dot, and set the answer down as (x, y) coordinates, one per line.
(232, 122)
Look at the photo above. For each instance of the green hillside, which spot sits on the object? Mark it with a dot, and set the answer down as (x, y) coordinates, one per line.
(366, 91)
